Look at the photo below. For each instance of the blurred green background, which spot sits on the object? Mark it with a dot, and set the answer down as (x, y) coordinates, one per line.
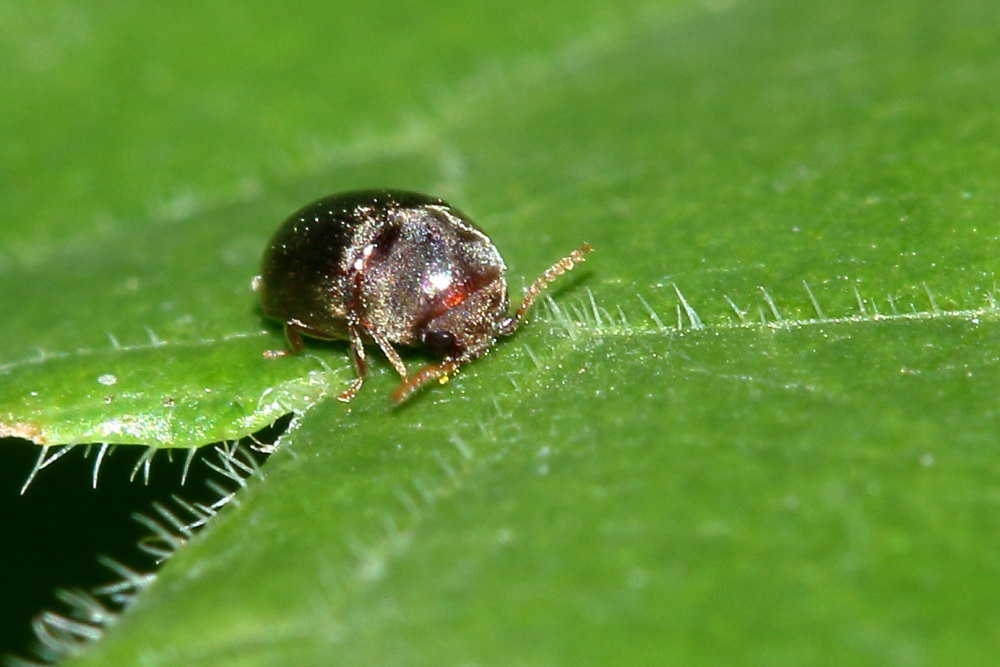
(757, 427)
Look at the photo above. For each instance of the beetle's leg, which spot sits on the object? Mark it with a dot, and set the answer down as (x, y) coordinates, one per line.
(360, 365)
(294, 338)
(390, 352)
(429, 372)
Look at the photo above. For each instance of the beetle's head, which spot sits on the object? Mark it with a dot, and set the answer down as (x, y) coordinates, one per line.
(466, 320)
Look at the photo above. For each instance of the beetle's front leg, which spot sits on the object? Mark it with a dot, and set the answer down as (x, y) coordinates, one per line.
(360, 365)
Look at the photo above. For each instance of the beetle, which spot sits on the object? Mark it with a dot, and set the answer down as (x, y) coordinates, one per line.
(392, 267)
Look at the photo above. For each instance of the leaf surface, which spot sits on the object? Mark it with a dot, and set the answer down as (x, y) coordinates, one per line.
(757, 426)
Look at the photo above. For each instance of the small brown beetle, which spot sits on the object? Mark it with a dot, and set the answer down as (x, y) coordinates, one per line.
(393, 267)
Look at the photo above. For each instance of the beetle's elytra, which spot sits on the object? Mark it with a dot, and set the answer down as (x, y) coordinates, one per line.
(394, 268)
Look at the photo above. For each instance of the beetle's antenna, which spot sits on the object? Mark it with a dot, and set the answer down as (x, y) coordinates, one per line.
(429, 372)
(562, 266)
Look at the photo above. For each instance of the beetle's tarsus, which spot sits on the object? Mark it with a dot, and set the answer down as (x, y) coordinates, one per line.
(295, 343)
(412, 383)
(348, 394)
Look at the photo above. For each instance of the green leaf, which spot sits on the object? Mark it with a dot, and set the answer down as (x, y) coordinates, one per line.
(756, 427)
